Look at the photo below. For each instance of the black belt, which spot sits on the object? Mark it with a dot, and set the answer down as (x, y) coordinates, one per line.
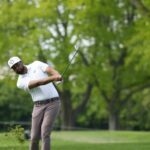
(46, 101)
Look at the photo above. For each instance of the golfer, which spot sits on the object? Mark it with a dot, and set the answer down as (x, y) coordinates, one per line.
(36, 78)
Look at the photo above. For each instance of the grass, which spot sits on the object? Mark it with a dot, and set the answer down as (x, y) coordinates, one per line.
(89, 140)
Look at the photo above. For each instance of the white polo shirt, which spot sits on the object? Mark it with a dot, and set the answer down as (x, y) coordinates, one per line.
(36, 70)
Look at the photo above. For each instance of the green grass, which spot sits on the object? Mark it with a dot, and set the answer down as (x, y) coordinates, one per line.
(88, 140)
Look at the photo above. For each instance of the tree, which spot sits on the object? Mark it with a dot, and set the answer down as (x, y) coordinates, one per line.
(15, 105)
(111, 32)
(48, 34)
(109, 54)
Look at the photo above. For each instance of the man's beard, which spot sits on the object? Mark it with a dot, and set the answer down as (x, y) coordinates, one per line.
(21, 71)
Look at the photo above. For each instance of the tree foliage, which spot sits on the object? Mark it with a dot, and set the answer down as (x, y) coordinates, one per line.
(112, 64)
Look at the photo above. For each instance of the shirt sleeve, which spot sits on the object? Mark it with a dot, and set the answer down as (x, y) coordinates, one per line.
(42, 65)
(23, 83)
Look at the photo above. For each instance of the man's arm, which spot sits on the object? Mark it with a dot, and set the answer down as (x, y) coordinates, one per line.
(55, 76)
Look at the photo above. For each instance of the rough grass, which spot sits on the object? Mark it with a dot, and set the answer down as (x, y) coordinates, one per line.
(89, 140)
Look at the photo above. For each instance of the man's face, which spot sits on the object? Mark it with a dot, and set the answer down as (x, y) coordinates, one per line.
(18, 67)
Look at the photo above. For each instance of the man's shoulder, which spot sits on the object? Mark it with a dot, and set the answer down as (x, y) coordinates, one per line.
(34, 63)
(37, 65)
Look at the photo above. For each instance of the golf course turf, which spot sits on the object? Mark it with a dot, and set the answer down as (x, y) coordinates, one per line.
(86, 140)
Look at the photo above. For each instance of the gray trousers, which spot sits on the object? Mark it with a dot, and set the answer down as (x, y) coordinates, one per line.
(43, 117)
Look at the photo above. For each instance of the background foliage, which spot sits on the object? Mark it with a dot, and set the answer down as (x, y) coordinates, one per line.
(107, 85)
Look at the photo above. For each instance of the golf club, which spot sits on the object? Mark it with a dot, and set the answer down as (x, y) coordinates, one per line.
(67, 67)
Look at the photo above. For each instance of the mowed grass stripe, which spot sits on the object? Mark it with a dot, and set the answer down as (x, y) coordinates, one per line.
(103, 136)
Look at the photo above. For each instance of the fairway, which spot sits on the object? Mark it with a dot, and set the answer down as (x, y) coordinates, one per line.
(89, 140)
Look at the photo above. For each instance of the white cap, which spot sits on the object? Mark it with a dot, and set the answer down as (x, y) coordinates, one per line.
(13, 60)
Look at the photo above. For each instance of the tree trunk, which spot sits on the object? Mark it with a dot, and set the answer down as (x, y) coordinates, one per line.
(69, 114)
(66, 115)
(113, 120)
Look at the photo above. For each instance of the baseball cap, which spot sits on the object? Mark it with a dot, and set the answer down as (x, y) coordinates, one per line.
(13, 60)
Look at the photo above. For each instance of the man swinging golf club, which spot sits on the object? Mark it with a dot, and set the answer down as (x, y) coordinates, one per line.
(36, 78)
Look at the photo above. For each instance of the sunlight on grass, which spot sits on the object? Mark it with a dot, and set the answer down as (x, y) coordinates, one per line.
(102, 136)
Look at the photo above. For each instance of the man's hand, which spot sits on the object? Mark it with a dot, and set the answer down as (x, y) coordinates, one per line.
(59, 78)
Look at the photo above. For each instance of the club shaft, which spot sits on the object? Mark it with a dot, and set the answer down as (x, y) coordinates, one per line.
(69, 63)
